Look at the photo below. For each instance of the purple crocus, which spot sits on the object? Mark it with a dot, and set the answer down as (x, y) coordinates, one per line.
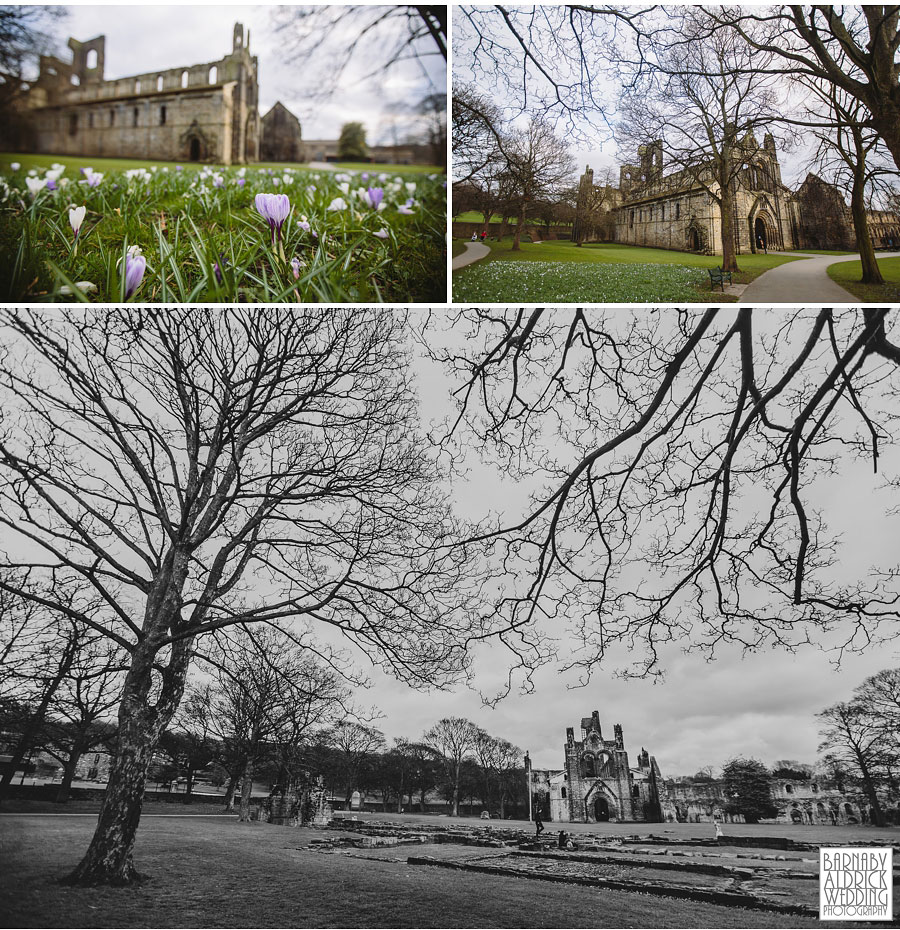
(51, 184)
(375, 195)
(274, 209)
(135, 266)
(295, 267)
(241, 182)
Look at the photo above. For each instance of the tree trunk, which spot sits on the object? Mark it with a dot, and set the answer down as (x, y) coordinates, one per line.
(62, 793)
(520, 222)
(729, 258)
(109, 860)
(188, 784)
(229, 791)
(871, 274)
(246, 789)
(886, 122)
(871, 793)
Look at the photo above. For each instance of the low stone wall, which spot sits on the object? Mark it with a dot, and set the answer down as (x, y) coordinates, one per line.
(48, 793)
(463, 229)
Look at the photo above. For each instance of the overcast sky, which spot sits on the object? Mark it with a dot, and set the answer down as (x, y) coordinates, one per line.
(141, 38)
(760, 705)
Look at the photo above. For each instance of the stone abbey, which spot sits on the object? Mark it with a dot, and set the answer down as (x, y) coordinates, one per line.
(206, 112)
(677, 211)
(598, 784)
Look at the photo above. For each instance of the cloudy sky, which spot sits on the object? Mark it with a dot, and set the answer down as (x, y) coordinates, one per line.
(760, 705)
(141, 38)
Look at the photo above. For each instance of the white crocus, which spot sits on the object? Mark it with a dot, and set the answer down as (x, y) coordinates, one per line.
(35, 185)
(76, 218)
(337, 204)
(15, 166)
(344, 187)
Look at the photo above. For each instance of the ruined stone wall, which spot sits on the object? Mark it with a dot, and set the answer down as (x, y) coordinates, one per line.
(597, 769)
(281, 136)
(204, 112)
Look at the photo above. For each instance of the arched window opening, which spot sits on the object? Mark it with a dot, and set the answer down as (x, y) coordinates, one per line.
(135, 117)
(112, 117)
(184, 78)
(137, 87)
(75, 80)
(73, 123)
(213, 74)
(159, 83)
(91, 60)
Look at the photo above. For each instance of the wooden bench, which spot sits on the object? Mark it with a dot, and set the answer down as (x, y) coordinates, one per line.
(718, 276)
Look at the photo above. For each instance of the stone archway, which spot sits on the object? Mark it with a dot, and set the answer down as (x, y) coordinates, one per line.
(601, 809)
(761, 235)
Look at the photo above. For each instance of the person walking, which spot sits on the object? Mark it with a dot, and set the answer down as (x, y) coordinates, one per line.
(538, 823)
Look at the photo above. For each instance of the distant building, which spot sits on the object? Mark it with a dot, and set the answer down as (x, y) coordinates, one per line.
(597, 784)
(206, 112)
(677, 210)
(281, 136)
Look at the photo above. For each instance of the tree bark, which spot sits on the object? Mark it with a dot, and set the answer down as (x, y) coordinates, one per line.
(246, 790)
(109, 859)
(871, 273)
(229, 791)
(520, 222)
(729, 258)
(65, 788)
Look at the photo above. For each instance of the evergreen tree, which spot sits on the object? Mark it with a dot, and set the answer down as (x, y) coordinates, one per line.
(352, 142)
(746, 786)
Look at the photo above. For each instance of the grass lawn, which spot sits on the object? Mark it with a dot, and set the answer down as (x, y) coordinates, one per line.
(217, 872)
(76, 162)
(598, 273)
(847, 274)
(376, 166)
(459, 246)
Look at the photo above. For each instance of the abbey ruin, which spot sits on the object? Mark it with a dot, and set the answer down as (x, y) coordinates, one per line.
(598, 784)
(678, 210)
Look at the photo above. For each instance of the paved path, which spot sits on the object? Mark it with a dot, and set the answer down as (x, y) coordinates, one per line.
(802, 282)
(474, 252)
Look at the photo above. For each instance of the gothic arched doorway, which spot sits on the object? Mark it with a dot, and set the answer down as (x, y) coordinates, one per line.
(761, 235)
(195, 149)
(694, 240)
(601, 809)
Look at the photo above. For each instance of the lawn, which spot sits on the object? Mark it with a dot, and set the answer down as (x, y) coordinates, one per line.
(182, 234)
(847, 274)
(459, 246)
(217, 872)
(597, 273)
(77, 162)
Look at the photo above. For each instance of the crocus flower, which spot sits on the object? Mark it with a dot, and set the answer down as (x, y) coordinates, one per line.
(295, 267)
(15, 166)
(35, 185)
(303, 224)
(375, 195)
(135, 266)
(54, 173)
(382, 234)
(241, 182)
(344, 187)
(218, 180)
(76, 218)
(405, 209)
(337, 204)
(51, 184)
(274, 209)
(179, 168)
(93, 179)
(217, 270)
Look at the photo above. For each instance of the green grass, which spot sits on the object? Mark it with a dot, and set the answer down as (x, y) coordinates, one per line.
(473, 216)
(826, 252)
(847, 274)
(207, 243)
(395, 169)
(216, 872)
(459, 246)
(595, 272)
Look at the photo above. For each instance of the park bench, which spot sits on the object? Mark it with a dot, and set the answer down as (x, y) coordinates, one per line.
(718, 276)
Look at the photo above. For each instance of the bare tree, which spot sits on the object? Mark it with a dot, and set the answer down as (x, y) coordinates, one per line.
(702, 102)
(332, 36)
(356, 744)
(197, 470)
(680, 462)
(855, 742)
(853, 48)
(79, 718)
(452, 739)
